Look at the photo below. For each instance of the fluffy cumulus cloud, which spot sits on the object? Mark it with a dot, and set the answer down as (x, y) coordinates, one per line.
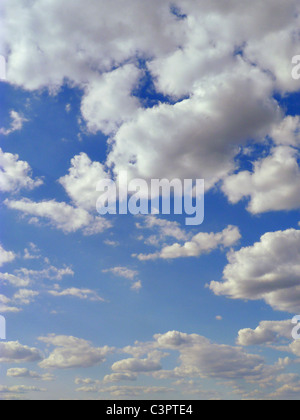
(137, 365)
(273, 185)
(108, 101)
(202, 243)
(199, 357)
(15, 174)
(195, 132)
(268, 270)
(287, 133)
(275, 334)
(81, 182)
(14, 352)
(197, 137)
(72, 352)
(61, 215)
(119, 377)
(268, 332)
(6, 256)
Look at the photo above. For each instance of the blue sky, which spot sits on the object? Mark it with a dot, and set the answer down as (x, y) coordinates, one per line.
(145, 307)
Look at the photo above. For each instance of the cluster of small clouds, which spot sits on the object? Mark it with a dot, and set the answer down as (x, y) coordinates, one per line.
(199, 359)
(23, 278)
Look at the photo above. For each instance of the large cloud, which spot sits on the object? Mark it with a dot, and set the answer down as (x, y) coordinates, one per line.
(72, 352)
(108, 101)
(197, 137)
(227, 81)
(268, 270)
(199, 357)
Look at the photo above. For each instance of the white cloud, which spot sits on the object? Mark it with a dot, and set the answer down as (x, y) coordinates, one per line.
(15, 174)
(61, 215)
(107, 102)
(268, 270)
(84, 294)
(15, 281)
(197, 137)
(194, 137)
(50, 273)
(128, 274)
(112, 243)
(202, 243)
(72, 352)
(125, 272)
(73, 51)
(5, 307)
(20, 298)
(14, 352)
(25, 296)
(166, 229)
(32, 252)
(287, 392)
(16, 125)
(6, 256)
(273, 185)
(136, 366)
(25, 373)
(119, 377)
(268, 332)
(81, 182)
